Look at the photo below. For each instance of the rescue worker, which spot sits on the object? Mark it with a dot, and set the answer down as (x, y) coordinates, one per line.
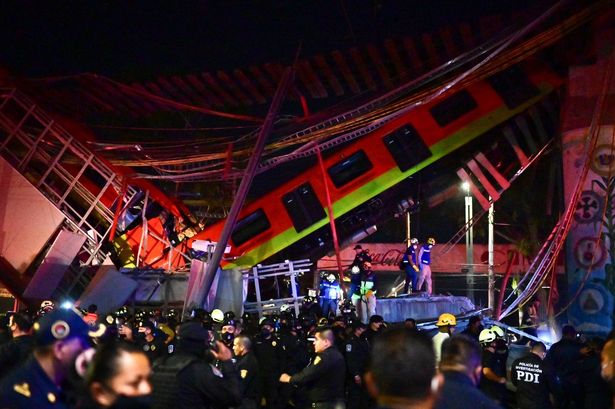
(356, 352)
(361, 256)
(425, 265)
(248, 372)
(188, 378)
(323, 378)
(60, 336)
(365, 300)
(19, 348)
(356, 269)
(461, 367)
(493, 380)
(330, 294)
(535, 381)
(268, 351)
(446, 326)
(411, 265)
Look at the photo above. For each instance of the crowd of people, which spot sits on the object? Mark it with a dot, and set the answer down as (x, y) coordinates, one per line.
(67, 358)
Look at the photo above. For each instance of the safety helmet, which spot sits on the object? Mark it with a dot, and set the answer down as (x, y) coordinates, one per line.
(331, 278)
(217, 315)
(414, 240)
(446, 319)
(486, 336)
(323, 322)
(431, 241)
(285, 308)
(355, 270)
(499, 332)
(265, 321)
(46, 306)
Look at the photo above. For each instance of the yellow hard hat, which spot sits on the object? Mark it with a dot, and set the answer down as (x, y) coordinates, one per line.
(446, 319)
(486, 336)
(497, 331)
(431, 241)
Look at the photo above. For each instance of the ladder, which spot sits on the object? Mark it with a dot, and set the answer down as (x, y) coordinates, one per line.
(289, 270)
(68, 174)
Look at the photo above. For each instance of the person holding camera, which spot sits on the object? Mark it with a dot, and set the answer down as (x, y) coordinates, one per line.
(188, 378)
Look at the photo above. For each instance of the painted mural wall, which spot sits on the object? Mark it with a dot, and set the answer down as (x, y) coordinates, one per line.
(590, 247)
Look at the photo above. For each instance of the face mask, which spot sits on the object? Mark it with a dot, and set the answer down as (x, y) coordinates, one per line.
(133, 402)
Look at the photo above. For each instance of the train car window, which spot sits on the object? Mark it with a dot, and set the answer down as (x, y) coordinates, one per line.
(453, 107)
(303, 207)
(513, 86)
(250, 226)
(350, 168)
(406, 147)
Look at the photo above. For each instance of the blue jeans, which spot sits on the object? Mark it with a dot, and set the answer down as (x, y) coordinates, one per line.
(328, 306)
(410, 278)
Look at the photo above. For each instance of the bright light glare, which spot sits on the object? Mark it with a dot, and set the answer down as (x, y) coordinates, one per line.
(465, 186)
(66, 305)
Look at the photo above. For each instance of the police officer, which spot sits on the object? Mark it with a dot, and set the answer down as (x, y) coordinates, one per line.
(268, 350)
(60, 336)
(356, 351)
(248, 371)
(411, 265)
(227, 333)
(330, 294)
(323, 378)
(534, 380)
(425, 265)
(151, 340)
(19, 348)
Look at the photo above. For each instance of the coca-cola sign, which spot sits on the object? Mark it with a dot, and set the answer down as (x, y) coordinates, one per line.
(386, 257)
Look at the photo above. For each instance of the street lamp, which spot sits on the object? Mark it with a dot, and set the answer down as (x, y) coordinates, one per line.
(469, 241)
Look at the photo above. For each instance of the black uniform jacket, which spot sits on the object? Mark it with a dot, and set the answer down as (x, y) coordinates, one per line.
(30, 387)
(201, 385)
(249, 374)
(323, 378)
(535, 381)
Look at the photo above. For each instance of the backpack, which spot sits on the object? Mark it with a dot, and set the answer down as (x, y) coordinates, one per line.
(164, 379)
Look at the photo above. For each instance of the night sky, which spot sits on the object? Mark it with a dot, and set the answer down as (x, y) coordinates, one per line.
(136, 40)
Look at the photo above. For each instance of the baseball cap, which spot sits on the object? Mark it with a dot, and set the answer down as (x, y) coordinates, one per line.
(59, 325)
